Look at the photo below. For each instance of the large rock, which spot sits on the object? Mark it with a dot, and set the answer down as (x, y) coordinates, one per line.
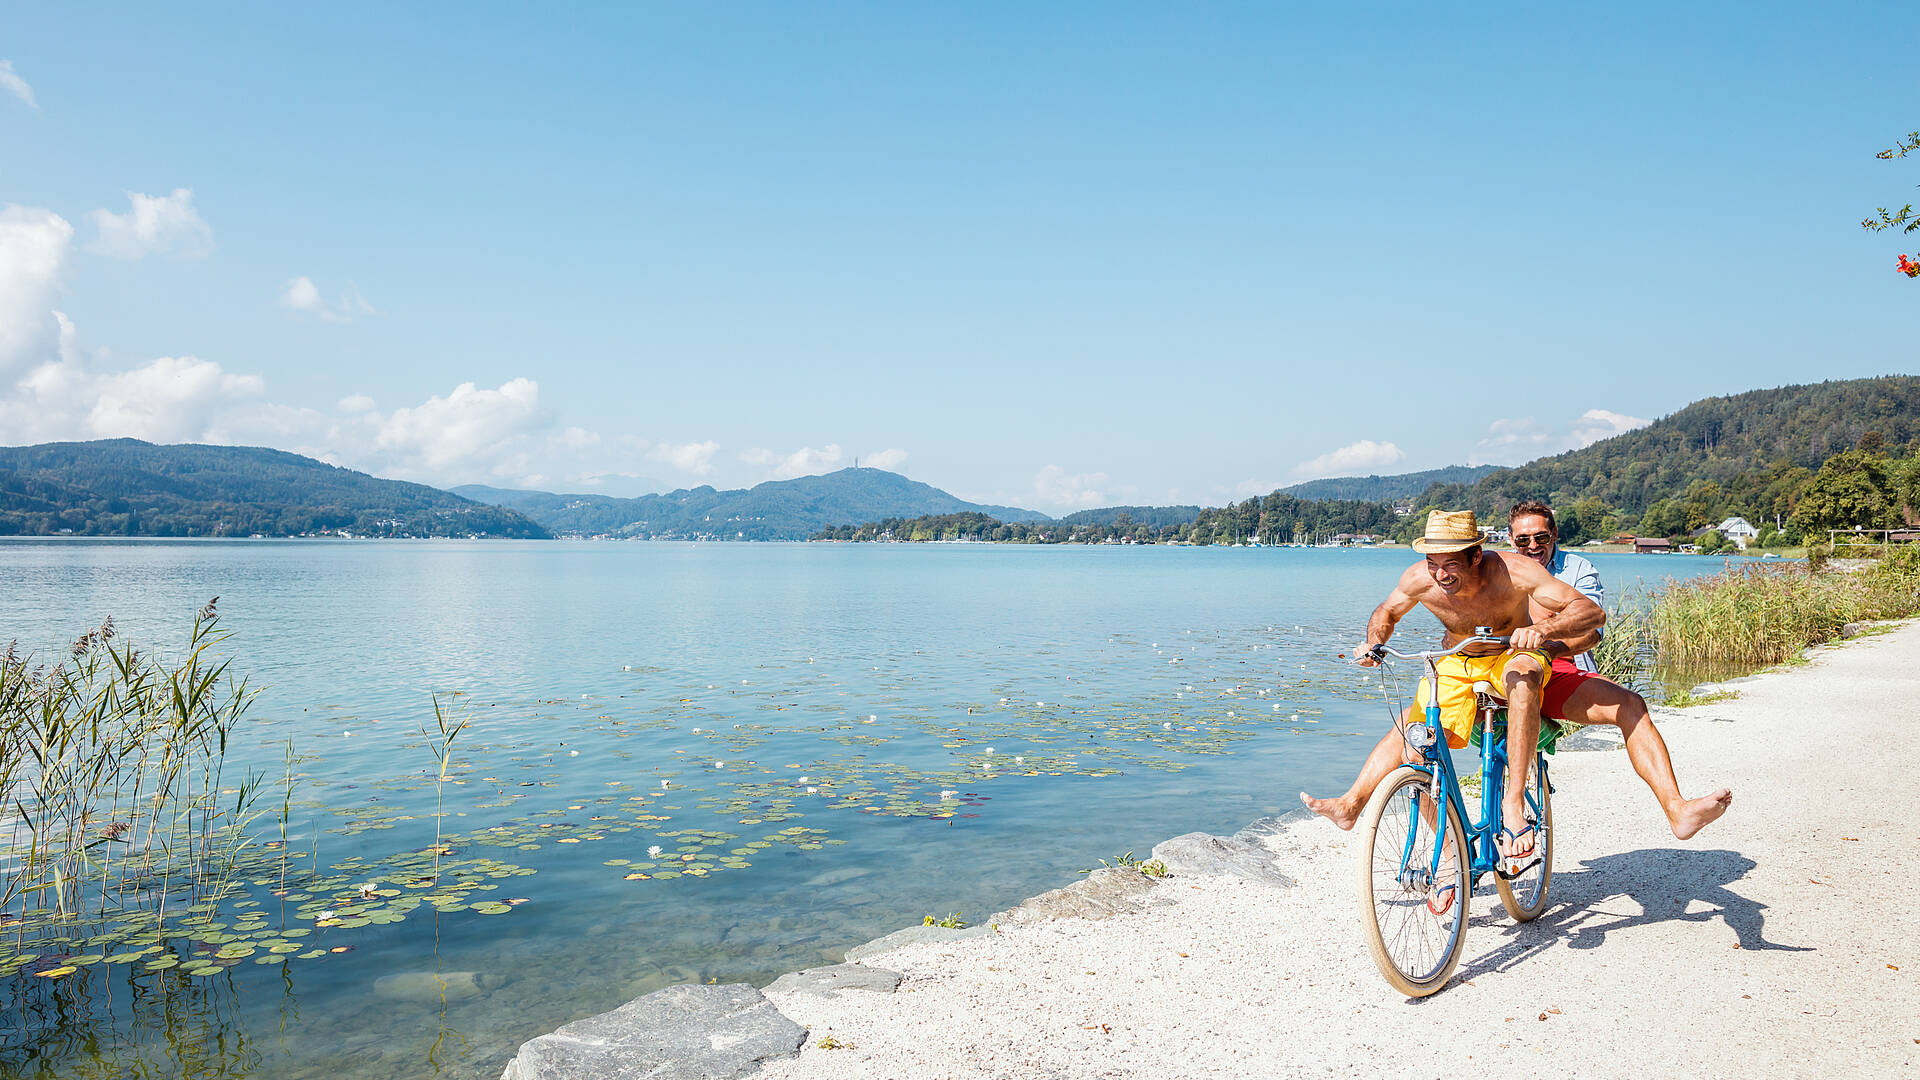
(679, 1033)
(1102, 894)
(913, 935)
(436, 985)
(828, 981)
(1258, 830)
(1204, 855)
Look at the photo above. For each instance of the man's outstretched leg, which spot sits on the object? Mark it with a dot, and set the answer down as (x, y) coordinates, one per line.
(1598, 701)
(1387, 755)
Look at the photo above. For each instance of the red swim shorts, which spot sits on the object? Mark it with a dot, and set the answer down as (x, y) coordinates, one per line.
(1564, 683)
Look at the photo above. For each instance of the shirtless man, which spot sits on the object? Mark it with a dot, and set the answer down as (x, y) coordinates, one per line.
(1466, 586)
(1574, 693)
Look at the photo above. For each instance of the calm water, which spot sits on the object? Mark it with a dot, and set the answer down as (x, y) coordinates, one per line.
(850, 737)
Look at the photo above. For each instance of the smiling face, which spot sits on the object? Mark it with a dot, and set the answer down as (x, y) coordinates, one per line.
(1534, 537)
(1454, 569)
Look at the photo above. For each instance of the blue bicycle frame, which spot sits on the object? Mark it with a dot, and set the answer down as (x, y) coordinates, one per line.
(1484, 857)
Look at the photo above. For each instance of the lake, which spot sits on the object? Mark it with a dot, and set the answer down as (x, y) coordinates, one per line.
(684, 762)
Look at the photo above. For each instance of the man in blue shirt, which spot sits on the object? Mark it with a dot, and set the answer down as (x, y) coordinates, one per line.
(1574, 692)
(1577, 693)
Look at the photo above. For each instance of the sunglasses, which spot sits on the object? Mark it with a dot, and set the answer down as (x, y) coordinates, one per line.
(1533, 540)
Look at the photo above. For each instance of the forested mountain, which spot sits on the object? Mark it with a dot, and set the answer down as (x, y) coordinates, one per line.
(1794, 461)
(776, 510)
(1155, 516)
(125, 487)
(1733, 442)
(1773, 457)
(1386, 488)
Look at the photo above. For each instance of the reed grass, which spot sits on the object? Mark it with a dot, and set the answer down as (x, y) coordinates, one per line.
(113, 792)
(1758, 615)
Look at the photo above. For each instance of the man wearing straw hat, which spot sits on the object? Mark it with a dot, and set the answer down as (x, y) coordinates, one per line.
(1465, 587)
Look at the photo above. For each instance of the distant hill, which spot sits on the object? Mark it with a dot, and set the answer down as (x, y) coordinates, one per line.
(1151, 516)
(1725, 440)
(1386, 488)
(125, 487)
(776, 510)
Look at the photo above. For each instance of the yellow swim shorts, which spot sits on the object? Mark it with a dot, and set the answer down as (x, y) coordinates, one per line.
(1458, 673)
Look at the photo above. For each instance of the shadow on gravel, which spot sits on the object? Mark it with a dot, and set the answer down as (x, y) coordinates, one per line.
(1619, 892)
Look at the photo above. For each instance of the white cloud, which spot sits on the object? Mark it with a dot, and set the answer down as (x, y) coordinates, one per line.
(16, 85)
(693, 458)
(805, 461)
(1349, 460)
(1517, 440)
(33, 250)
(170, 399)
(301, 294)
(1247, 489)
(155, 225)
(1597, 424)
(890, 459)
(356, 403)
(468, 426)
(1055, 486)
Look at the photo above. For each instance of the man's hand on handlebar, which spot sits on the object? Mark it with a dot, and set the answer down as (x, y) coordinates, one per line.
(1528, 639)
(1366, 655)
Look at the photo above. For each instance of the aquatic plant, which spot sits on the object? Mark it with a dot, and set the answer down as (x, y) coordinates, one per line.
(1759, 615)
(112, 762)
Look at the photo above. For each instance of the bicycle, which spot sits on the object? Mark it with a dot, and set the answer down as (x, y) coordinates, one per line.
(1415, 859)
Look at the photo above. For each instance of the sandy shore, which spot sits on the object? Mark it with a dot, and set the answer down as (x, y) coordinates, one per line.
(1781, 942)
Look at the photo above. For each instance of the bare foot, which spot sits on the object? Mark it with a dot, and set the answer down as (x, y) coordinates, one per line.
(1334, 810)
(1697, 814)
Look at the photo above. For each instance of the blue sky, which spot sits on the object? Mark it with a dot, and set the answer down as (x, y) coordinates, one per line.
(1090, 254)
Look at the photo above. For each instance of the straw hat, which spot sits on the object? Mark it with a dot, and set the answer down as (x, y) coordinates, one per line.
(1448, 530)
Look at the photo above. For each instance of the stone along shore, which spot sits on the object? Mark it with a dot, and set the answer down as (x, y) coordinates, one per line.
(1780, 942)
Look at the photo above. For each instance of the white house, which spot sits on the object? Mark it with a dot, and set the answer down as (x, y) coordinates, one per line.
(1737, 530)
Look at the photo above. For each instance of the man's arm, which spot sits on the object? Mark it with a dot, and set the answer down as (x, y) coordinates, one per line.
(1380, 624)
(1587, 582)
(1570, 614)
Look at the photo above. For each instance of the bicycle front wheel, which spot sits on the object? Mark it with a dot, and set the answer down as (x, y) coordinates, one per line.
(1525, 896)
(1413, 901)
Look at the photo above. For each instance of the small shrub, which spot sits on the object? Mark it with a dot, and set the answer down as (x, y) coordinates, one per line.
(950, 922)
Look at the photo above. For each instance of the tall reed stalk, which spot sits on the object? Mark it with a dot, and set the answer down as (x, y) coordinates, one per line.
(111, 778)
(1752, 616)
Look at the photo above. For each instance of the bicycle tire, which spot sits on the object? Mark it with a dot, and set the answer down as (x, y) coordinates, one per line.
(1415, 948)
(1525, 896)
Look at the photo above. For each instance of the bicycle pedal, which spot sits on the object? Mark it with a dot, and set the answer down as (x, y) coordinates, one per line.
(1509, 875)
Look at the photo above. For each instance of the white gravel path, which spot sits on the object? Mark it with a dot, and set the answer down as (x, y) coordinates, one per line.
(1781, 942)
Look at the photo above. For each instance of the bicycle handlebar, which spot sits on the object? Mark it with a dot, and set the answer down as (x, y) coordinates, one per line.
(1381, 651)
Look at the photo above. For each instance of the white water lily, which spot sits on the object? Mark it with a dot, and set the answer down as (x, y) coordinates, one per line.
(654, 852)
(328, 914)
(948, 794)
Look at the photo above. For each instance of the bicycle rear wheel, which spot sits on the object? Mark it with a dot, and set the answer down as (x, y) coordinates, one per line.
(1525, 896)
(1414, 915)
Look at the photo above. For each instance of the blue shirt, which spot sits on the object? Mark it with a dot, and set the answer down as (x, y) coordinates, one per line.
(1580, 574)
